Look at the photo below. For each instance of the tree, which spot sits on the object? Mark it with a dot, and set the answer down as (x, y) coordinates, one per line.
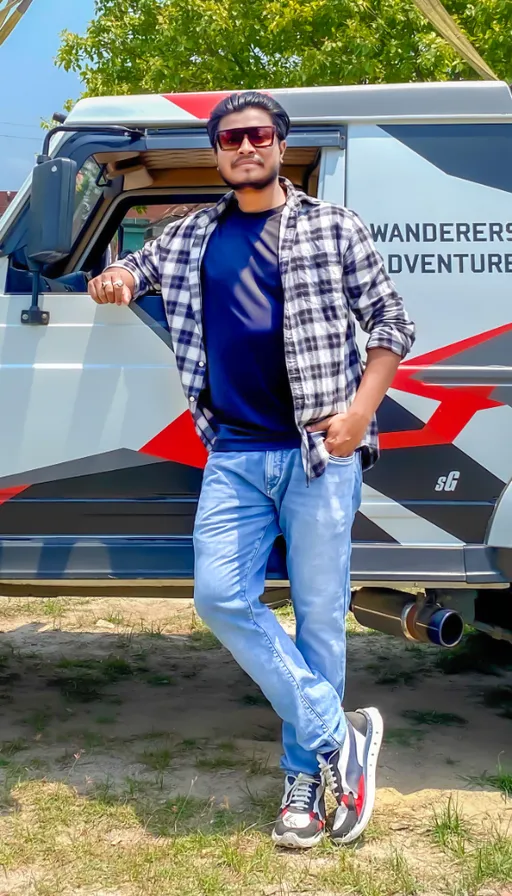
(155, 46)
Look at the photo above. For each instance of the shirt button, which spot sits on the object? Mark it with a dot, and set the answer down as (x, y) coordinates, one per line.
(201, 363)
(191, 398)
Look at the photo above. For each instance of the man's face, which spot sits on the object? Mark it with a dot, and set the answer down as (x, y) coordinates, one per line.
(249, 167)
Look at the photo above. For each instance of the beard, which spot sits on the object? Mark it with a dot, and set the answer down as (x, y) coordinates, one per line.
(261, 184)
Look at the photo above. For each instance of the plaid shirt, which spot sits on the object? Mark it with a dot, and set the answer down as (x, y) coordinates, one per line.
(332, 275)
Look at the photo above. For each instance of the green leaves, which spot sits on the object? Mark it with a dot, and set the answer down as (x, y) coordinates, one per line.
(154, 46)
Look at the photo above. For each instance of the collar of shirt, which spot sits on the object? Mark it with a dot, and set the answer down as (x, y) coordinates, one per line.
(294, 199)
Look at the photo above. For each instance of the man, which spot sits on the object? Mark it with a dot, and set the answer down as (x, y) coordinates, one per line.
(262, 294)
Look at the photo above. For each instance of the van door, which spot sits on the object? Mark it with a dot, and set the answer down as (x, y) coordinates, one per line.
(100, 466)
(437, 200)
(94, 405)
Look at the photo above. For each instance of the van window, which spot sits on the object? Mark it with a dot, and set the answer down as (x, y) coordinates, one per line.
(143, 223)
(87, 193)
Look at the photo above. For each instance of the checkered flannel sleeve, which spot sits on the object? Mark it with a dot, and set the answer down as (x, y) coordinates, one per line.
(146, 265)
(371, 294)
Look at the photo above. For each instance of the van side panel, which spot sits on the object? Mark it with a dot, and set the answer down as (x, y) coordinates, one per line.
(437, 199)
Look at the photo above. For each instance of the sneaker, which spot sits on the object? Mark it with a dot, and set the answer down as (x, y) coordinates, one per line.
(301, 822)
(349, 773)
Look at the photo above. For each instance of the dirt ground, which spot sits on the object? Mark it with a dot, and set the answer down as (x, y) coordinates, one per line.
(112, 696)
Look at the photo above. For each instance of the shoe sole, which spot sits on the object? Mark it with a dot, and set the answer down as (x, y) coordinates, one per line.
(371, 755)
(290, 840)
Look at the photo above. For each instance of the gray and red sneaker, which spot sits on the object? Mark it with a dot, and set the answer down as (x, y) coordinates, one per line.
(301, 822)
(349, 773)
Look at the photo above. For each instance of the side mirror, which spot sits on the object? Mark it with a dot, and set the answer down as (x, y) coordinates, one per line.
(52, 205)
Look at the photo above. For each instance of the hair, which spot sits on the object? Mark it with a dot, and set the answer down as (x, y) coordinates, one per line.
(250, 99)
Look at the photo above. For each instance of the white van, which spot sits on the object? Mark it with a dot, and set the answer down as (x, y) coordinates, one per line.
(100, 467)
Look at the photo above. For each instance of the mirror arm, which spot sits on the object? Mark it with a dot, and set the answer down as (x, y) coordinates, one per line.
(87, 129)
(35, 315)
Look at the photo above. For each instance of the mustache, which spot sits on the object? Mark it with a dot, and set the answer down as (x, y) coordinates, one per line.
(247, 159)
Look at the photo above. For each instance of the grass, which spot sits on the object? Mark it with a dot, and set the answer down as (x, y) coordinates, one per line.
(157, 680)
(188, 743)
(499, 698)
(400, 670)
(254, 700)
(476, 653)
(7, 678)
(485, 856)
(228, 757)
(134, 836)
(132, 841)
(152, 629)
(402, 737)
(265, 733)
(54, 607)
(157, 759)
(215, 763)
(449, 830)
(84, 680)
(9, 748)
(500, 780)
(432, 717)
(260, 765)
(105, 718)
(389, 876)
(12, 607)
(115, 618)
(353, 627)
(199, 635)
(492, 861)
(285, 613)
(112, 668)
(203, 639)
(38, 720)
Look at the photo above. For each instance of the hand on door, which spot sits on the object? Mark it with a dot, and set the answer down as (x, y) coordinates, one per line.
(115, 286)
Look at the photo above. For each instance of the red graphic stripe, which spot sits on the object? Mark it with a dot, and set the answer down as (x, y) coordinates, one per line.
(458, 404)
(360, 796)
(198, 104)
(7, 493)
(178, 442)
(456, 348)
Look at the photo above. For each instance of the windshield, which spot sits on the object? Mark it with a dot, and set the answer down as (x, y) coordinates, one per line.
(87, 193)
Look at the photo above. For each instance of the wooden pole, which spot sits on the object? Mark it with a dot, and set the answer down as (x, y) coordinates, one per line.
(442, 21)
(10, 15)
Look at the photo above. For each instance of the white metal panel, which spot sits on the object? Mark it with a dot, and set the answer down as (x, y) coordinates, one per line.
(331, 179)
(95, 380)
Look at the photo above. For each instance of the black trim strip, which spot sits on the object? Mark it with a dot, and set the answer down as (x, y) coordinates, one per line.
(172, 557)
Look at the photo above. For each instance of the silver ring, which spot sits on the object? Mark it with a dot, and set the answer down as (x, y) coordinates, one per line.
(118, 283)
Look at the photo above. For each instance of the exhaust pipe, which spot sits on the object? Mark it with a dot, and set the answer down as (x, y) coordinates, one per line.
(396, 613)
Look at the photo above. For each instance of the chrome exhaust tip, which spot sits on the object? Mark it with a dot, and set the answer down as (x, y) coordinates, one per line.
(395, 613)
(442, 627)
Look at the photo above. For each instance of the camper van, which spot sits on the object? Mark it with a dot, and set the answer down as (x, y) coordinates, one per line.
(100, 465)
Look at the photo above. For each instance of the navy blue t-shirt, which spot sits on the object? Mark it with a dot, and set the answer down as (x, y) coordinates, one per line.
(248, 386)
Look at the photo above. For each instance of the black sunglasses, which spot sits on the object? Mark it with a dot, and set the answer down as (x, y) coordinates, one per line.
(258, 137)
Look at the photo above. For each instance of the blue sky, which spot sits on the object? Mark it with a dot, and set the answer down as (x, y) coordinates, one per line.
(32, 86)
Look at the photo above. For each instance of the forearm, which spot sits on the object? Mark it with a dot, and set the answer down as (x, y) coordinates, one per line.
(135, 267)
(381, 366)
(143, 265)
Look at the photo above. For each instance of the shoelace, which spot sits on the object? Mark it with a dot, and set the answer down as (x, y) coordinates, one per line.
(302, 792)
(330, 778)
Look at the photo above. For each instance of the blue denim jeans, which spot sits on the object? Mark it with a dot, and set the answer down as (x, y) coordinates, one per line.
(247, 499)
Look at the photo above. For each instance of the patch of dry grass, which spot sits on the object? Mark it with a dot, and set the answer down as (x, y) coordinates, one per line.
(136, 843)
(118, 814)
